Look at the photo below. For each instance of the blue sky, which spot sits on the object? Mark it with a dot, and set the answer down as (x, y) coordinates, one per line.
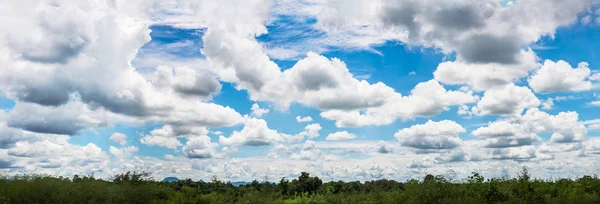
(219, 88)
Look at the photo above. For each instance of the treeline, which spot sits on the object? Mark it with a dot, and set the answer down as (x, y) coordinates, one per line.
(137, 188)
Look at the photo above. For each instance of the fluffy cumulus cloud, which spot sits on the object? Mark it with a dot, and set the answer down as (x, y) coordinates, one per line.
(506, 100)
(560, 76)
(68, 119)
(431, 135)
(118, 138)
(488, 75)
(316, 81)
(565, 126)
(90, 64)
(255, 133)
(168, 142)
(199, 147)
(592, 146)
(301, 119)
(426, 99)
(384, 148)
(503, 134)
(486, 55)
(257, 111)
(514, 138)
(52, 152)
(186, 81)
(343, 135)
(123, 154)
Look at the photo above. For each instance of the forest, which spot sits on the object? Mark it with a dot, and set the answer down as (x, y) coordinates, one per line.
(135, 187)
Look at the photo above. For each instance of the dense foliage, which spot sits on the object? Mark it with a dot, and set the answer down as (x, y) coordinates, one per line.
(136, 188)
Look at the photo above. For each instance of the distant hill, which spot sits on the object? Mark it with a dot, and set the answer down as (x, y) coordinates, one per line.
(170, 179)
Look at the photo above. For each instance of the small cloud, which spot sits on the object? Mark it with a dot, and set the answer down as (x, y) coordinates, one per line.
(344, 135)
(547, 104)
(301, 119)
(257, 111)
(586, 20)
(118, 138)
(412, 73)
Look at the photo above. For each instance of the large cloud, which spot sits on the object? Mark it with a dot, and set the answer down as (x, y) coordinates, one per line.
(426, 99)
(515, 137)
(503, 134)
(317, 81)
(255, 133)
(118, 138)
(68, 119)
(483, 76)
(565, 126)
(431, 135)
(86, 52)
(506, 100)
(559, 76)
(54, 152)
(343, 135)
(476, 30)
(199, 147)
(486, 55)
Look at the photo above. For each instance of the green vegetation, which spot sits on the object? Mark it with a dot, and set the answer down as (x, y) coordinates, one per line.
(136, 188)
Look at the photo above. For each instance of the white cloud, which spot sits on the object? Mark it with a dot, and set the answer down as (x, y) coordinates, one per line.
(503, 134)
(565, 126)
(86, 52)
(384, 147)
(317, 81)
(592, 146)
(257, 111)
(199, 147)
(514, 153)
(559, 76)
(309, 144)
(124, 153)
(119, 138)
(343, 135)
(506, 100)
(547, 104)
(311, 130)
(487, 75)
(519, 131)
(475, 30)
(186, 82)
(431, 135)
(255, 133)
(53, 154)
(69, 119)
(301, 119)
(426, 99)
(168, 142)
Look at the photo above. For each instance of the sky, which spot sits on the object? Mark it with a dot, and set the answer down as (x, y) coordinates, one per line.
(264, 89)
